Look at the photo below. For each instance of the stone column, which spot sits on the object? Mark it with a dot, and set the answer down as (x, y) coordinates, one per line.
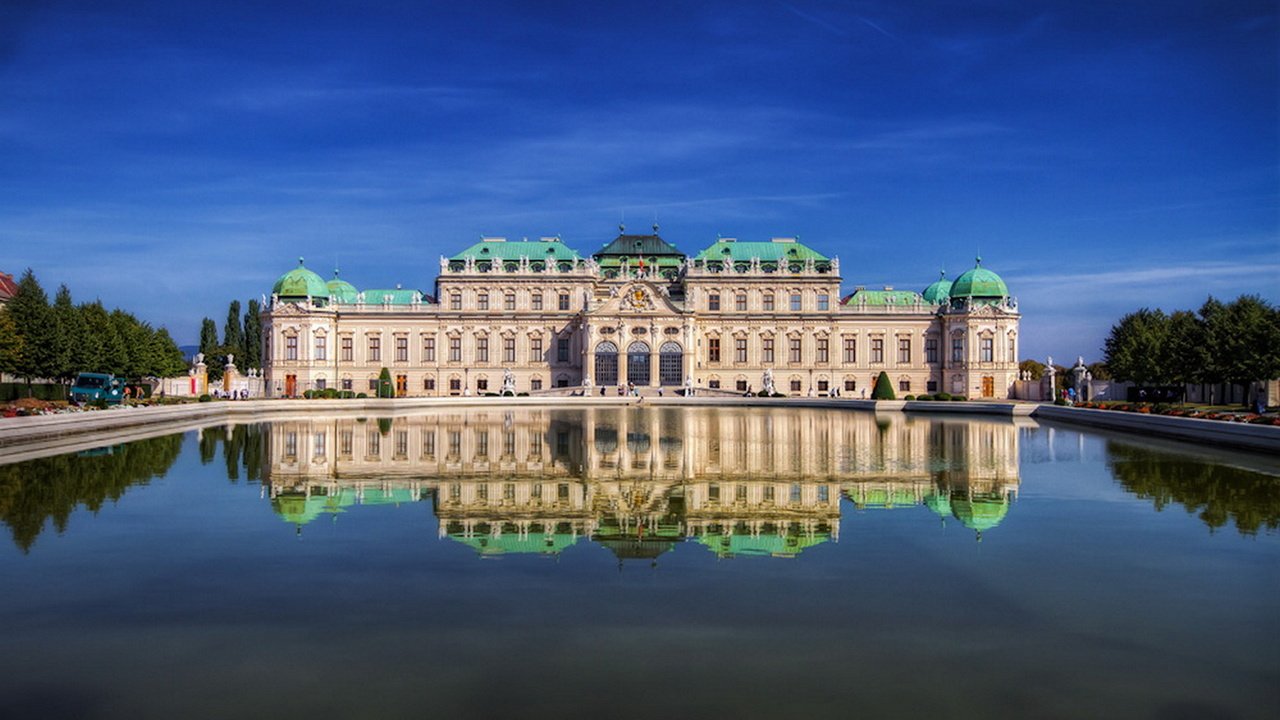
(588, 353)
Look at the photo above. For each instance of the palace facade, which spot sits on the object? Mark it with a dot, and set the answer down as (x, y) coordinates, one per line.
(538, 317)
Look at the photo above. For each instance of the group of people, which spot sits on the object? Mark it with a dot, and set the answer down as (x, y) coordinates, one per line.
(230, 394)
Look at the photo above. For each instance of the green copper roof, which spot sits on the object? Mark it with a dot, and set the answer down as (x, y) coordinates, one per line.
(939, 503)
(512, 543)
(639, 245)
(980, 512)
(737, 251)
(939, 291)
(394, 296)
(768, 544)
(979, 283)
(883, 498)
(883, 298)
(300, 283)
(302, 509)
(342, 290)
(500, 249)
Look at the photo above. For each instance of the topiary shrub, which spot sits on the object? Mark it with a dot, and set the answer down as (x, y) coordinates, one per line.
(959, 398)
(385, 388)
(205, 398)
(361, 396)
(926, 397)
(884, 388)
(330, 393)
(942, 396)
(308, 394)
(909, 397)
(346, 394)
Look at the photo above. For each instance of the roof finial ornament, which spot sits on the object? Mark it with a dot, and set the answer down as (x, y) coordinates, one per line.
(621, 228)
(978, 259)
(655, 227)
(299, 261)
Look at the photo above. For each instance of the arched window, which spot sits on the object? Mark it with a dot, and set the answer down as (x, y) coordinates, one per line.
(670, 363)
(606, 363)
(638, 363)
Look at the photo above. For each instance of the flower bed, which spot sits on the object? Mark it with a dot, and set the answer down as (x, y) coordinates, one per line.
(1182, 411)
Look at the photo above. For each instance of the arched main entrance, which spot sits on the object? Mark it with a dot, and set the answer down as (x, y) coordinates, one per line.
(606, 364)
(638, 363)
(670, 363)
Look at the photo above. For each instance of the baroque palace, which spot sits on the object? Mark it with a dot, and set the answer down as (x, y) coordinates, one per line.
(538, 317)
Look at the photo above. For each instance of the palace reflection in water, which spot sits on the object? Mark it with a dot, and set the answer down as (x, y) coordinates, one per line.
(638, 481)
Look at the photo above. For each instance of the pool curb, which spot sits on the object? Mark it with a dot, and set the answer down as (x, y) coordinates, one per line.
(23, 431)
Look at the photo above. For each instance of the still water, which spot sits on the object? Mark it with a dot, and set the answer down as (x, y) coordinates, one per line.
(640, 563)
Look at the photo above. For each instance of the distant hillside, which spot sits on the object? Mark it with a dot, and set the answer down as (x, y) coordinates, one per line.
(189, 351)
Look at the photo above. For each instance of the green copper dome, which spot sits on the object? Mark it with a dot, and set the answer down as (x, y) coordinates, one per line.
(981, 512)
(979, 283)
(300, 283)
(939, 291)
(342, 290)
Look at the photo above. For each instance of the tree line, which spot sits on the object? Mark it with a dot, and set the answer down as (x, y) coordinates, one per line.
(56, 341)
(1236, 342)
(241, 337)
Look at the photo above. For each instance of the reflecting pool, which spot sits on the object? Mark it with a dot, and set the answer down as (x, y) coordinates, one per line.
(624, 562)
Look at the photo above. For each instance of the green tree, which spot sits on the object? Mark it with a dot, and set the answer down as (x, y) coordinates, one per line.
(117, 354)
(65, 336)
(385, 388)
(253, 336)
(884, 388)
(96, 323)
(1099, 371)
(166, 355)
(1184, 354)
(30, 312)
(210, 348)
(1244, 338)
(1134, 347)
(11, 344)
(233, 333)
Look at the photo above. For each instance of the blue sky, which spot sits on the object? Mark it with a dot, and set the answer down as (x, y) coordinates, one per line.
(167, 157)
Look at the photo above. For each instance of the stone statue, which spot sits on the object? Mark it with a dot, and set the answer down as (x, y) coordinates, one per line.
(1049, 374)
(199, 359)
(508, 382)
(768, 382)
(586, 382)
(231, 359)
(1078, 378)
(688, 385)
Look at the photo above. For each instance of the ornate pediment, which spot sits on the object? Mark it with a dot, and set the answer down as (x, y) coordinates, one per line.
(636, 298)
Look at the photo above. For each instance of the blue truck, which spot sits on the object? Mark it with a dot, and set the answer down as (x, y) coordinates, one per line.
(91, 387)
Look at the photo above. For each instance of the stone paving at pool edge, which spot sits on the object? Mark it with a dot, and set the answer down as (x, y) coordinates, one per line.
(43, 428)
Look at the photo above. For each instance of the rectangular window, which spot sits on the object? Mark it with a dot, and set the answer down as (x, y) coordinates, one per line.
(455, 386)
(429, 384)
(373, 385)
(740, 302)
(536, 300)
(795, 302)
(766, 351)
(509, 350)
(850, 350)
(402, 349)
(931, 350)
(904, 385)
(564, 301)
(535, 384)
(375, 349)
(742, 387)
(322, 347)
(797, 350)
(713, 302)
(850, 385)
(348, 349)
(1013, 350)
(824, 301)
(904, 351)
(509, 301)
(824, 351)
(713, 384)
(482, 301)
(877, 351)
(535, 349)
(345, 439)
(291, 347)
(482, 349)
(321, 383)
(455, 301)
(429, 349)
(482, 385)
(957, 349)
(987, 349)
(562, 350)
(455, 349)
(713, 350)
(740, 350)
(768, 302)
(795, 386)
(346, 383)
